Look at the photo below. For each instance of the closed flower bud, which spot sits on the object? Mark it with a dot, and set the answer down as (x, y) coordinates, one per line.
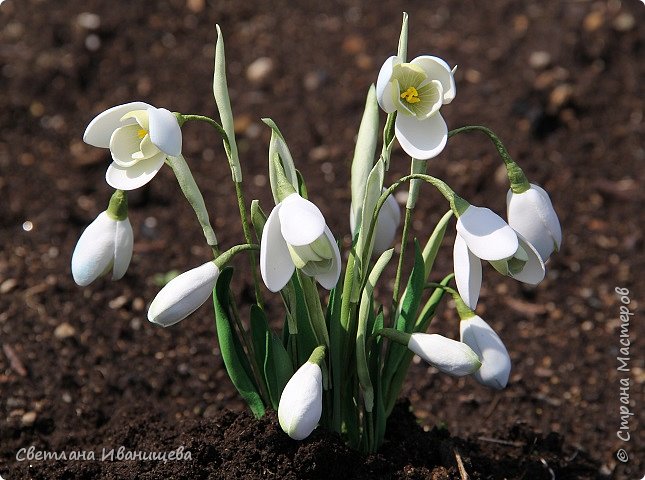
(300, 405)
(106, 244)
(183, 295)
(450, 356)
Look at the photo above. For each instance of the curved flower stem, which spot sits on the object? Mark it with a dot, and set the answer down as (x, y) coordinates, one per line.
(519, 182)
(239, 192)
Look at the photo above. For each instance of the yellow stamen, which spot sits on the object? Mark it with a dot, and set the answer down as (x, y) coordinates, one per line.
(411, 95)
(142, 133)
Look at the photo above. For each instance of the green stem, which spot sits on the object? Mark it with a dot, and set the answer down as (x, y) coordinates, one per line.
(253, 260)
(399, 269)
(464, 311)
(519, 182)
(202, 118)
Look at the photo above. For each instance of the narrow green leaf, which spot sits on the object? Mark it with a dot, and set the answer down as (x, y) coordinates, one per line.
(277, 368)
(259, 331)
(236, 365)
(306, 337)
(434, 242)
(413, 293)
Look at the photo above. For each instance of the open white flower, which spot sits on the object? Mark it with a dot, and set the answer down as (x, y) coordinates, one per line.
(389, 218)
(531, 214)
(183, 295)
(481, 234)
(495, 361)
(139, 137)
(106, 244)
(300, 405)
(296, 236)
(449, 356)
(417, 90)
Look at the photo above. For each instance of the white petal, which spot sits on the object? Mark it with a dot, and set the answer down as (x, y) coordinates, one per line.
(276, 265)
(388, 222)
(330, 278)
(487, 235)
(438, 69)
(421, 139)
(450, 356)
(135, 176)
(300, 405)
(183, 295)
(533, 271)
(384, 86)
(301, 221)
(468, 272)
(100, 129)
(165, 132)
(123, 144)
(496, 363)
(94, 252)
(123, 243)
(531, 214)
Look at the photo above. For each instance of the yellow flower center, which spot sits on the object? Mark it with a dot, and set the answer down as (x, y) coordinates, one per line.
(411, 95)
(142, 133)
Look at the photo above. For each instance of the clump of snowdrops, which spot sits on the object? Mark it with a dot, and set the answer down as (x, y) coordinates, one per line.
(340, 358)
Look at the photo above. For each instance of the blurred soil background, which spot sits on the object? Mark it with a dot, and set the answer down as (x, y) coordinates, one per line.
(561, 82)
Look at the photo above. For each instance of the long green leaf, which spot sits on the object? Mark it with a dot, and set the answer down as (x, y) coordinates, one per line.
(236, 364)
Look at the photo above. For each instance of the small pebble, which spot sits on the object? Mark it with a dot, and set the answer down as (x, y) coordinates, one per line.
(89, 21)
(28, 419)
(539, 60)
(560, 95)
(8, 285)
(64, 330)
(260, 70)
(593, 21)
(624, 22)
(314, 80)
(118, 302)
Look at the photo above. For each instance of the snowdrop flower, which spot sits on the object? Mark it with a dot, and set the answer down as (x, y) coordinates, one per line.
(495, 361)
(388, 221)
(139, 137)
(300, 404)
(449, 356)
(481, 234)
(531, 214)
(295, 236)
(183, 295)
(106, 244)
(416, 91)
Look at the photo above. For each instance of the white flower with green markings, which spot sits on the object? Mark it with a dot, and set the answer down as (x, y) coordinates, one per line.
(416, 91)
(140, 138)
(296, 236)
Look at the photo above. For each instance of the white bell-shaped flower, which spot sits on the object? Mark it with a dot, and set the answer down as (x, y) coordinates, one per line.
(531, 214)
(106, 244)
(481, 234)
(495, 361)
(296, 236)
(183, 295)
(449, 356)
(300, 405)
(417, 90)
(139, 137)
(389, 218)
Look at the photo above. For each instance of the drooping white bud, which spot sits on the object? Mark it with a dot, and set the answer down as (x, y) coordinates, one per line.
(450, 356)
(496, 363)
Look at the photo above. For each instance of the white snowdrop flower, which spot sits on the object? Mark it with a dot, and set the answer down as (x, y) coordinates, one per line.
(495, 361)
(300, 405)
(481, 234)
(106, 244)
(449, 356)
(296, 236)
(532, 215)
(183, 295)
(140, 138)
(416, 91)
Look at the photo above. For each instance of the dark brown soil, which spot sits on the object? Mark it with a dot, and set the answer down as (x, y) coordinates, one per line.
(82, 369)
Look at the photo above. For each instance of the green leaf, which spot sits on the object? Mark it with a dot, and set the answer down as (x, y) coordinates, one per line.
(277, 368)
(235, 361)
(434, 242)
(259, 331)
(413, 292)
(306, 336)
